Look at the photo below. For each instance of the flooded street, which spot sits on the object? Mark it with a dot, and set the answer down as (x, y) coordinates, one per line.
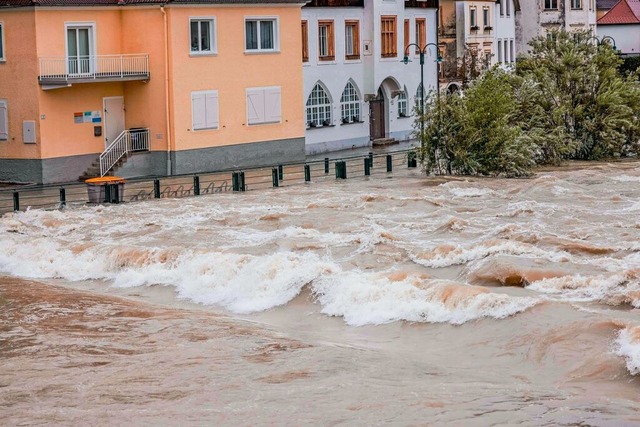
(404, 300)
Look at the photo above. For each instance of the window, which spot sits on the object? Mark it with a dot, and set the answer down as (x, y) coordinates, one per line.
(350, 104)
(576, 4)
(419, 92)
(204, 110)
(502, 7)
(202, 35)
(485, 18)
(472, 19)
(407, 41)
(402, 103)
(318, 107)
(325, 41)
(80, 53)
(2, 58)
(305, 41)
(500, 57)
(4, 121)
(421, 33)
(508, 7)
(352, 39)
(389, 37)
(513, 52)
(264, 105)
(261, 34)
(551, 4)
(506, 51)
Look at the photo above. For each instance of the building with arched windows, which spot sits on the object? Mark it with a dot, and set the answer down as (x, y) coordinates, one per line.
(357, 89)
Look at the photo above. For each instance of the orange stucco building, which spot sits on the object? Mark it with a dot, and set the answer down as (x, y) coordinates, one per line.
(173, 87)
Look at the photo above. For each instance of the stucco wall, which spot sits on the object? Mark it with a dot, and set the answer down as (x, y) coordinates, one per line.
(627, 37)
(19, 82)
(231, 71)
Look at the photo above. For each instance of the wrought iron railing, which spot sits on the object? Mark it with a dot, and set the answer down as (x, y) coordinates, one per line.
(129, 140)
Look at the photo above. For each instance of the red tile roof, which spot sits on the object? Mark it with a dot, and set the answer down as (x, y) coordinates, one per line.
(624, 12)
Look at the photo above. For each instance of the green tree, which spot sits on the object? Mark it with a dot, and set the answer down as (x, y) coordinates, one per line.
(476, 133)
(573, 101)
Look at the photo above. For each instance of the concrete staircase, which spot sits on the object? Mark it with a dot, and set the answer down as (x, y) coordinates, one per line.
(93, 171)
(380, 142)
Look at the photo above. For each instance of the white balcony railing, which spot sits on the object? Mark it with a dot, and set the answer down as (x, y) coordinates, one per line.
(94, 67)
(129, 140)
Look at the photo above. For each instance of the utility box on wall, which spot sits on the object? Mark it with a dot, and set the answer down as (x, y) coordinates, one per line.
(29, 132)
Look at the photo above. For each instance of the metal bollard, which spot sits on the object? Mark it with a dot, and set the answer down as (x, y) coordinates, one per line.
(341, 170)
(196, 185)
(370, 158)
(280, 172)
(367, 166)
(156, 188)
(242, 183)
(63, 197)
(274, 177)
(16, 201)
(307, 173)
(326, 165)
(389, 163)
(412, 162)
(235, 181)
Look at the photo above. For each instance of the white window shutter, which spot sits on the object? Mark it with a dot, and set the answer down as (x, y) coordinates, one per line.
(198, 111)
(212, 117)
(273, 105)
(255, 106)
(4, 122)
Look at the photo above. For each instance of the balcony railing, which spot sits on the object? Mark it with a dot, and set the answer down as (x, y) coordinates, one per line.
(84, 69)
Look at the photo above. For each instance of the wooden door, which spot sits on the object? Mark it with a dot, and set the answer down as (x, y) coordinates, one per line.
(376, 119)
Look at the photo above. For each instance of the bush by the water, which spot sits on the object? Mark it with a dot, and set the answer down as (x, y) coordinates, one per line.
(566, 100)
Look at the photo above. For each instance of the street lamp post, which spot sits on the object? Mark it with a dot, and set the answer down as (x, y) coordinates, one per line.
(422, 51)
(606, 39)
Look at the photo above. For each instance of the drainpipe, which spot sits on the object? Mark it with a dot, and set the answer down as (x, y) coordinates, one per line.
(166, 87)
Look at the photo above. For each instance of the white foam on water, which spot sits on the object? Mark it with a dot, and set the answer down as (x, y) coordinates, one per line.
(626, 178)
(448, 255)
(617, 289)
(628, 346)
(469, 192)
(373, 298)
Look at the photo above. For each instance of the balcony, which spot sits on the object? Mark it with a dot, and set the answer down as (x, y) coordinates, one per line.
(64, 71)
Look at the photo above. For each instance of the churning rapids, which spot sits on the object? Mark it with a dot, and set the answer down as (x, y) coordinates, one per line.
(408, 300)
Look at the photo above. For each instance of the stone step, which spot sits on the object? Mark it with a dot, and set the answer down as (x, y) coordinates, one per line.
(384, 141)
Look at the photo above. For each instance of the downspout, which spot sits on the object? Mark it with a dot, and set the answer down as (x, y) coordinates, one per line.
(166, 87)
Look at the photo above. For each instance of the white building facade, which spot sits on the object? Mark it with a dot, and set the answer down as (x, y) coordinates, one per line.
(537, 17)
(357, 88)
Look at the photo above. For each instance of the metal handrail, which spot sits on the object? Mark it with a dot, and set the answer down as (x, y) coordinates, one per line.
(128, 141)
(94, 66)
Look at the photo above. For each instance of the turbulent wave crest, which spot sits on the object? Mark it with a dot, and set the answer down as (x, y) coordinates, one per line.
(628, 346)
(617, 289)
(376, 298)
(241, 283)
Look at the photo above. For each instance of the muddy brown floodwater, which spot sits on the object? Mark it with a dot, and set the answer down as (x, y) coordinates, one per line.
(406, 300)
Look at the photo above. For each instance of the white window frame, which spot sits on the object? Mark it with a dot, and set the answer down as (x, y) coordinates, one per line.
(576, 4)
(93, 47)
(553, 4)
(508, 7)
(4, 103)
(3, 52)
(276, 34)
(486, 17)
(206, 127)
(500, 52)
(402, 103)
(351, 106)
(213, 39)
(473, 17)
(316, 112)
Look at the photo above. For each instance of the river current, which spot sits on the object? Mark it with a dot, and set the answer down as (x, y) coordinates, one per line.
(404, 300)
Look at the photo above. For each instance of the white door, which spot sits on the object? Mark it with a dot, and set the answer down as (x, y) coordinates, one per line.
(113, 118)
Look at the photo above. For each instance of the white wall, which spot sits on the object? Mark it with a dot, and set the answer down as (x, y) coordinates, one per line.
(627, 37)
(368, 72)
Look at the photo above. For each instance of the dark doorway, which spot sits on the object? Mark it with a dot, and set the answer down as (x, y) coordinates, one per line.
(376, 117)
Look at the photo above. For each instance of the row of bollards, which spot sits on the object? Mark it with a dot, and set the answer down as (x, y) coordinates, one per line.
(111, 191)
